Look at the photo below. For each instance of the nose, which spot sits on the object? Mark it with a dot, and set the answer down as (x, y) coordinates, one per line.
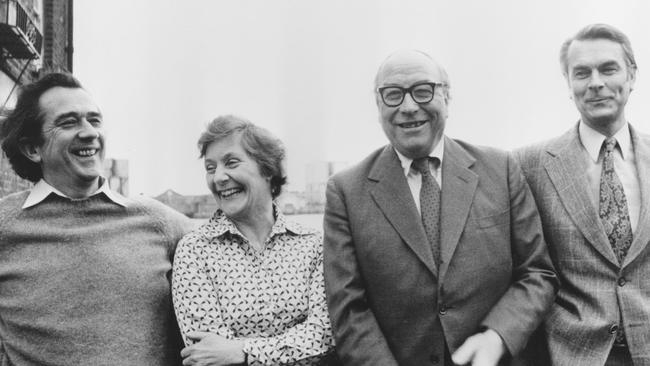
(220, 176)
(88, 131)
(596, 82)
(408, 104)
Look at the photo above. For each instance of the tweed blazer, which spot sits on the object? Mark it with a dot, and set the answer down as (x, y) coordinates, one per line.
(595, 289)
(390, 304)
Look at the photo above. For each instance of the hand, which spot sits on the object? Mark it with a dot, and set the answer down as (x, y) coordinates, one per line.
(212, 350)
(481, 349)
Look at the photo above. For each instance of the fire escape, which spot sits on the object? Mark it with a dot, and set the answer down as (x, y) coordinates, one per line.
(20, 38)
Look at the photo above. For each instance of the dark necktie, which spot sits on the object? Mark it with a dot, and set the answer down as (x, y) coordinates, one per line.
(614, 213)
(430, 204)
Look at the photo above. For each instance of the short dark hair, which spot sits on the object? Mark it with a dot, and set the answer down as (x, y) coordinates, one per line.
(24, 125)
(267, 151)
(599, 31)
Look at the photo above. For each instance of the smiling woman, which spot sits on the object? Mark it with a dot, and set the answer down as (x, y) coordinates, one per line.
(248, 284)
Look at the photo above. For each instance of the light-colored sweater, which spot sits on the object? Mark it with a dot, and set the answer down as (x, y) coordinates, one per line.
(87, 282)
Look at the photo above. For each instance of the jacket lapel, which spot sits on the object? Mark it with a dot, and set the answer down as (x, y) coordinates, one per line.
(641, 238)
(567, 173)
(393, 196)
(458, 187)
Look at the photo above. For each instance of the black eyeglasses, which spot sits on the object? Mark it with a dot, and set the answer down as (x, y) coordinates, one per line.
(421, 93)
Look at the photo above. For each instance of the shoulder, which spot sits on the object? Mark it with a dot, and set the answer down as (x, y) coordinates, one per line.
(536, 153)
(11, 204)
(479, 152)
(535, 149)
(303, 239)
(483, 160)
(192, 241)
(14, 199)
(359, 170)
(155, 208)
(170, 221)
(640, 137)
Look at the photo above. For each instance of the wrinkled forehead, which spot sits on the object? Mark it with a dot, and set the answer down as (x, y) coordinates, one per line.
(62, 100)
(408, 67)
(594, 52)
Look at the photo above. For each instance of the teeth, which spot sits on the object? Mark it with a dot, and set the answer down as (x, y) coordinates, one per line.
(86, 152)
(412, 124)
(229, 192)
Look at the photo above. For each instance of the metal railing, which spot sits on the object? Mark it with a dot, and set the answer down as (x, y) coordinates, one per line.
(25, 24)
(18, 33)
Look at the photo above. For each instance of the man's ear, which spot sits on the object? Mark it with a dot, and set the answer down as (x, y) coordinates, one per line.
(632, 79)
(31, 151)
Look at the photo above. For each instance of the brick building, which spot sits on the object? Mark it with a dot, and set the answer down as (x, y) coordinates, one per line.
(35, 38)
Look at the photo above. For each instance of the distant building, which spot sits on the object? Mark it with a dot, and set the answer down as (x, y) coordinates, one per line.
(291, 202)
(317, 175)
(35, 38)
(201, 206)
(116, 171)
(204, 206)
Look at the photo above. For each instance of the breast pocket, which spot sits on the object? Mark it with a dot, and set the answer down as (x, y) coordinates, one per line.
(487, 222)
(493, 238)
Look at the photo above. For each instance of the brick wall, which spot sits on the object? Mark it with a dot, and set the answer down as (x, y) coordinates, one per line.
(54, 58)
(10, 182)
(55, 35)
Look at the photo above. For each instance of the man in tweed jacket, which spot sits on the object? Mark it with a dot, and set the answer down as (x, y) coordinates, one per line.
(602, 312)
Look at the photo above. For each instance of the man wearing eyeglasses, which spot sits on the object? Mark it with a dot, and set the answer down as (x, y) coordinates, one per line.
(433, 247)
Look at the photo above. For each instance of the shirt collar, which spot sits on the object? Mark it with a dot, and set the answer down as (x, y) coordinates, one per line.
(42, 190)
(437, 152)
(220, 224)
(592, 140)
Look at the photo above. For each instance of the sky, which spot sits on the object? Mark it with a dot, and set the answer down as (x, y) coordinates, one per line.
(160, 70)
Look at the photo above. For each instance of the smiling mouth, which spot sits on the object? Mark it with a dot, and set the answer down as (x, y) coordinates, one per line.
(597, 100)
(414, 124)
(85, 152)
(228, 193)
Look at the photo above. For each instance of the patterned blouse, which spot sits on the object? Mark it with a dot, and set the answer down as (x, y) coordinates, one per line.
(274, 299)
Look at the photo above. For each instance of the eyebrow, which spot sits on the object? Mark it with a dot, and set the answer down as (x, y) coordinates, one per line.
(603, 64)
(609, 63)
(75, 114)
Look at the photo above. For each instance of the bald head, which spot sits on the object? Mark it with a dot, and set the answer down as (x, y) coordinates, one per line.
(414, 117)
(406, 62)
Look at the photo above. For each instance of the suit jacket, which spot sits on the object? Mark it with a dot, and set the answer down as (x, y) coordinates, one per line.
(595, 289)
(389, 303)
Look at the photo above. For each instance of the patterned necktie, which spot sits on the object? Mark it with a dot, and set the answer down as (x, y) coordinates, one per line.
(613, 205)
(430, 204)
(614, 214)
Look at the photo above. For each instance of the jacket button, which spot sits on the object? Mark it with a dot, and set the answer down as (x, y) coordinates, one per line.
(613, 329)
(442, 310)
(434, 359)
(622, 281)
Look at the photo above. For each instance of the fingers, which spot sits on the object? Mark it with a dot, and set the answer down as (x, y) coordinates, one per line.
(483, 349)
(188, 361)
(186, 352)
(197, 336)
(465, 353)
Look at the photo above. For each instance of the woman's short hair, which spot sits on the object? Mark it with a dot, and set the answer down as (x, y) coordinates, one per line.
(267, 151)
(24, 125)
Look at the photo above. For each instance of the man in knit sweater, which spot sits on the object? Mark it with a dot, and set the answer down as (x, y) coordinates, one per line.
(84, 272)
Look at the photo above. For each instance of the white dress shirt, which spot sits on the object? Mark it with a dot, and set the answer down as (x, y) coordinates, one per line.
(624, 165)
(414, 178)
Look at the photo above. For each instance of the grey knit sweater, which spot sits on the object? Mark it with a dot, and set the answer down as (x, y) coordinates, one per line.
(87, 282)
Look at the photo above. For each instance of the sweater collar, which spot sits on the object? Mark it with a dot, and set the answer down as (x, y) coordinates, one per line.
(42, 190)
